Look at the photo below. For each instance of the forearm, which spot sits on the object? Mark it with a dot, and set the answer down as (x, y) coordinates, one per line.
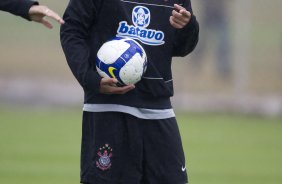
(17, 7)
(74, 37)
(77, 55)
(187, 37)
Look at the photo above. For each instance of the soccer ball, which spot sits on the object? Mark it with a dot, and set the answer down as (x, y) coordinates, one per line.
(123, 59)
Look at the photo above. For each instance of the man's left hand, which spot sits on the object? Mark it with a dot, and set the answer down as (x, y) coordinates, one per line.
(180, 17)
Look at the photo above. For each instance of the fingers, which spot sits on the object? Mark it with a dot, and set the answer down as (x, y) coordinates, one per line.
(46, 23)
(180, 17)
(38, 12)
(178, 7)
(175, 22)
(108, 86)
(120, 90)
(50, 13)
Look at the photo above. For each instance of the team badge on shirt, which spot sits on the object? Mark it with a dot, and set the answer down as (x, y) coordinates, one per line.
(104, 157)
(141, 18)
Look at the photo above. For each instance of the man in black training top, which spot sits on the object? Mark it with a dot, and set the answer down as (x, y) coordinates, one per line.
(129, 134)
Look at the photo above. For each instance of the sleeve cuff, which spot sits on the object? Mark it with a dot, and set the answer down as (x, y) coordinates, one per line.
(25, 8)
(191, 24)
(187, 38)
(93, 80)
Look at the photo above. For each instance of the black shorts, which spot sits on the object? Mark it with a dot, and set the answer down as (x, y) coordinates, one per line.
(118, 148)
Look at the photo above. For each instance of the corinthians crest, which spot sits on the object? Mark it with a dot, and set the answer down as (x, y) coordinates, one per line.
(104, 157)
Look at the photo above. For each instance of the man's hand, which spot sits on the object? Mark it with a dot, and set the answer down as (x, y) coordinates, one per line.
(180, 17)
(38, 12)
(109, 86)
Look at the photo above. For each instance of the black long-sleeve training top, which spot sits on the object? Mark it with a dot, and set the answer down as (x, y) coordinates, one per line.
(17, 7)
(90, 23)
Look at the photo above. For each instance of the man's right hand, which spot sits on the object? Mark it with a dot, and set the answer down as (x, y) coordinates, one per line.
(109, 86)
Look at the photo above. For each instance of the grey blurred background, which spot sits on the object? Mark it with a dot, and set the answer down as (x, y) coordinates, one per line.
(235, 68)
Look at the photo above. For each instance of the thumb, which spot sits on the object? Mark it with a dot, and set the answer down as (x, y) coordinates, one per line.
(109, 81)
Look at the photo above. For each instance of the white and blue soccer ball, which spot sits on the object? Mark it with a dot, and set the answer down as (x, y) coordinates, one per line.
(123, 59)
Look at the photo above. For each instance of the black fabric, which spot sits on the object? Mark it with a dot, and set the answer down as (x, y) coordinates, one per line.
(186, 40)
(90, 23)
(142, 151)
(17, 7)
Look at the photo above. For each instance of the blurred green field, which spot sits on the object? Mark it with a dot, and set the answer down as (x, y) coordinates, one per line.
(43, 146)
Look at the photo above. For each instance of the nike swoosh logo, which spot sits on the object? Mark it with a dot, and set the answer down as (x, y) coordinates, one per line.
(111, 71)
(183, 168)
